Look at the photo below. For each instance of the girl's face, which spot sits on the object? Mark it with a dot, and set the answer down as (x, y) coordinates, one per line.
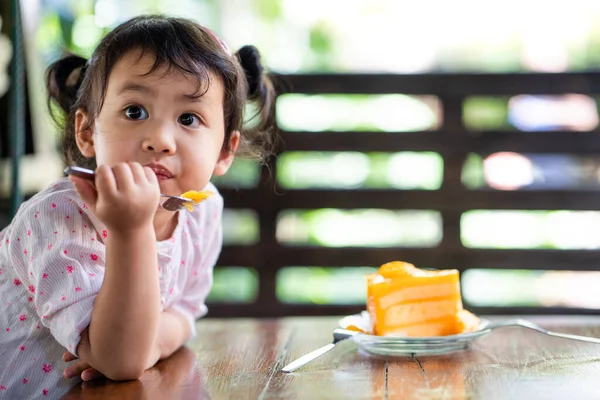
(156, 120)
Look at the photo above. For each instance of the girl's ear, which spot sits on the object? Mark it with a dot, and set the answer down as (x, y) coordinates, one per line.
(84, 134)
(227, 154)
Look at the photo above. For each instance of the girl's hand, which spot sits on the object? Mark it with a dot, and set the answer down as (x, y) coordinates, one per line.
(125, 197)
(79, 368)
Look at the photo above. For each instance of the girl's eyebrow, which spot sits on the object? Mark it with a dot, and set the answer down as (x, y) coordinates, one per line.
(148, 90)
(136, 87)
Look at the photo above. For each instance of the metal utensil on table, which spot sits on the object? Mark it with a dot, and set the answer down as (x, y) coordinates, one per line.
(172, 203)
(338, 336)
(530, 325)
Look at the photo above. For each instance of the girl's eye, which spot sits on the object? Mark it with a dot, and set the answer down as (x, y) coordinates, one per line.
(189, 120)
(136, 113)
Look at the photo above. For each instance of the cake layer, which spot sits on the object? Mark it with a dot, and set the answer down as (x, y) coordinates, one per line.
(419, 313)
(440, 327)
(418, 293)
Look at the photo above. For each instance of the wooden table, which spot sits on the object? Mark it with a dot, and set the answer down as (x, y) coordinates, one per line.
(242, 358)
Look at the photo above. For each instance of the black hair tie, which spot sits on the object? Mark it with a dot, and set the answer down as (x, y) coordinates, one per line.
(250, 59)
(82, 72)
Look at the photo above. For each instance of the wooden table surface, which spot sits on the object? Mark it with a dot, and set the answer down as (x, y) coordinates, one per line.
(242, 358)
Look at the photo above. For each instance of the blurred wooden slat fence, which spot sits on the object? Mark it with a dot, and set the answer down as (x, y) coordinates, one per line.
(453, 142)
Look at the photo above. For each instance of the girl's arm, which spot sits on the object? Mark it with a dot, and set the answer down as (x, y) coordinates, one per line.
(126, 317)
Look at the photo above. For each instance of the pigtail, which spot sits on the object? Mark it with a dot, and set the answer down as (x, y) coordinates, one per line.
(63, 79)
(260, 138)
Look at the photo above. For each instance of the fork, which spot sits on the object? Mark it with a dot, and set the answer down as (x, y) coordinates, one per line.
(530, 325)
(172, 203)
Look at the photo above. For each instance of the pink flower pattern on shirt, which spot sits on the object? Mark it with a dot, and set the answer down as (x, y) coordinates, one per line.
(48, 319)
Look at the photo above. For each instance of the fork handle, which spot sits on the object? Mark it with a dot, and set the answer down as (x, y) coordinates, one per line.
(338, 336)
(573, 337)
(307, 358)
(80, 172)
(526, 324)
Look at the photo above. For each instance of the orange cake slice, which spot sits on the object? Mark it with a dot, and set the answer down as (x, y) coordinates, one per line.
(403, 300)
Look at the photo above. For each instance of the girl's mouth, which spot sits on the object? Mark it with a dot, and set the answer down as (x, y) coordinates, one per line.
(161, 172)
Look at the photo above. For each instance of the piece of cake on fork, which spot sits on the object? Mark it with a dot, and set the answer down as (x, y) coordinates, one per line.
(403, 300)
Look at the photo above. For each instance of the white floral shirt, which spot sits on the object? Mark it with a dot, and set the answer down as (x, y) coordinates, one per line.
(52, 259)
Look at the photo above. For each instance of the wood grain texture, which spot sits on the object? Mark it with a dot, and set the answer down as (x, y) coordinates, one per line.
(242, 358)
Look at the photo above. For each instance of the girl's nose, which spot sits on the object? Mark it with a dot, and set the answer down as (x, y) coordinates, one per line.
(160, 141)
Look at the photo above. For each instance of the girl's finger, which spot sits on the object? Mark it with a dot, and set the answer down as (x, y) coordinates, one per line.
(123, 176)
(91, 374)
(150, 175)
(105, 180)
(68, 357)
(73, 370)
(76, 368)
(138, 172)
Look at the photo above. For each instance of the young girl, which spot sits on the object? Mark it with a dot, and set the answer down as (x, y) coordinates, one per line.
(100, 269)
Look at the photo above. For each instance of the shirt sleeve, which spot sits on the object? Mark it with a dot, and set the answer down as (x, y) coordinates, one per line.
(64, 254)
(200, 278)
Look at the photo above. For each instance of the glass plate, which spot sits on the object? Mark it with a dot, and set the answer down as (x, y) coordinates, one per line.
(414, 346)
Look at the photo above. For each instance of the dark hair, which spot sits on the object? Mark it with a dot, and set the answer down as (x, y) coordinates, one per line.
(75, 83)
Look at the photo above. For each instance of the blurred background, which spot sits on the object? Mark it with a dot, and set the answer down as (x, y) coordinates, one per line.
(457, 134)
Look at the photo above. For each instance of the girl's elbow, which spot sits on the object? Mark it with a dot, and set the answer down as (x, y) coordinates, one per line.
(124, 369)
(124, 372)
